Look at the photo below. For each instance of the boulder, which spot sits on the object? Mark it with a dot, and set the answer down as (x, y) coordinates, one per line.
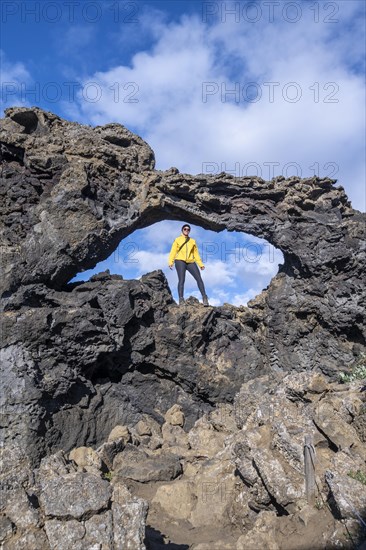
(129, 519)
(348, 495)
(177, 500)
(134, 463)
(108, 450)
(286, 488)
(341, 434)
(86, 458)
(204, 440)
(77, 495)
(261, 535)
(174, 436)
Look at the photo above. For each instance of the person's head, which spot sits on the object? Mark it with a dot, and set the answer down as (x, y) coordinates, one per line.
(186, 229)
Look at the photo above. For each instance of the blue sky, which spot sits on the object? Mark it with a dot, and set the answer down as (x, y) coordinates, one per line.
(245, 87)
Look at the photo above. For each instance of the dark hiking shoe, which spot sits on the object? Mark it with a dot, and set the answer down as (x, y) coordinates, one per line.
(205, 301)
(181, 301)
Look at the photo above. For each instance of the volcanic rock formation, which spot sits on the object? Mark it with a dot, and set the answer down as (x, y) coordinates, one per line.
(70, 193)
(80, 358)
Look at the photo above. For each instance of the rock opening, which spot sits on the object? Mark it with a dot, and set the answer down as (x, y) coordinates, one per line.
(238, 266)
(156, 391)
(73, 193)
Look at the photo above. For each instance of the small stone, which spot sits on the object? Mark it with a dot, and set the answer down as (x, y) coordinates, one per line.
(142, 428)
(86, 457)
(317, 384)
(174, 436)
(155, 442)
(109, 450)
(205, 440)
(119, 432)
(55, 465)
(175, 416)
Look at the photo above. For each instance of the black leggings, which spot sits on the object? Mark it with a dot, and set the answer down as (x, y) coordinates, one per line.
(182, 267)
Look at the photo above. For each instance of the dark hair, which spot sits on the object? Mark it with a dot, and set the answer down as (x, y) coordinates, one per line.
(186, 225)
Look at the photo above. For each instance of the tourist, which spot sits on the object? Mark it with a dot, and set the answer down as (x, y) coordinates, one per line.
(185, 254)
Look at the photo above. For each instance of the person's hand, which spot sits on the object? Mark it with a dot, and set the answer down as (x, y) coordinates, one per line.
(202, 268)
(171, 266)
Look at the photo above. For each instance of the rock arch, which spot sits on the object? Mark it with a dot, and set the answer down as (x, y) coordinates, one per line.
(72, 192)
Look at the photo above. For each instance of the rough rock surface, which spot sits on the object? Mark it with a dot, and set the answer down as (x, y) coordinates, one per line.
(79, 359)
(248, 490)
(136, 464)
(239, 488)
(63, 507)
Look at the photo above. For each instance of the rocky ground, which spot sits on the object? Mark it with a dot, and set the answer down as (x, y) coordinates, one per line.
(234, 481)
(129, 421)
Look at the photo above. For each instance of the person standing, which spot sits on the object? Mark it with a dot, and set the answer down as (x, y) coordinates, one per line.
(184, 253)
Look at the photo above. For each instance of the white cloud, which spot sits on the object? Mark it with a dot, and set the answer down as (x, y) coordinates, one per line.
(149, 261)
(245, 297)
(186, 132)
(160, 236)
(218, 273)
(13, 79)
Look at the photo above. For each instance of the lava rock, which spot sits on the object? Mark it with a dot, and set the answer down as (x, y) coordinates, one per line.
(134, 463)
(78, 359)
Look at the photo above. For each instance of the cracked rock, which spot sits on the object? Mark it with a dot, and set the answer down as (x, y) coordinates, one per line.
(76, 495)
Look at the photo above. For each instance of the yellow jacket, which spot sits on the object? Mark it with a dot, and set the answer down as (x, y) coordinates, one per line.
(188, 253)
